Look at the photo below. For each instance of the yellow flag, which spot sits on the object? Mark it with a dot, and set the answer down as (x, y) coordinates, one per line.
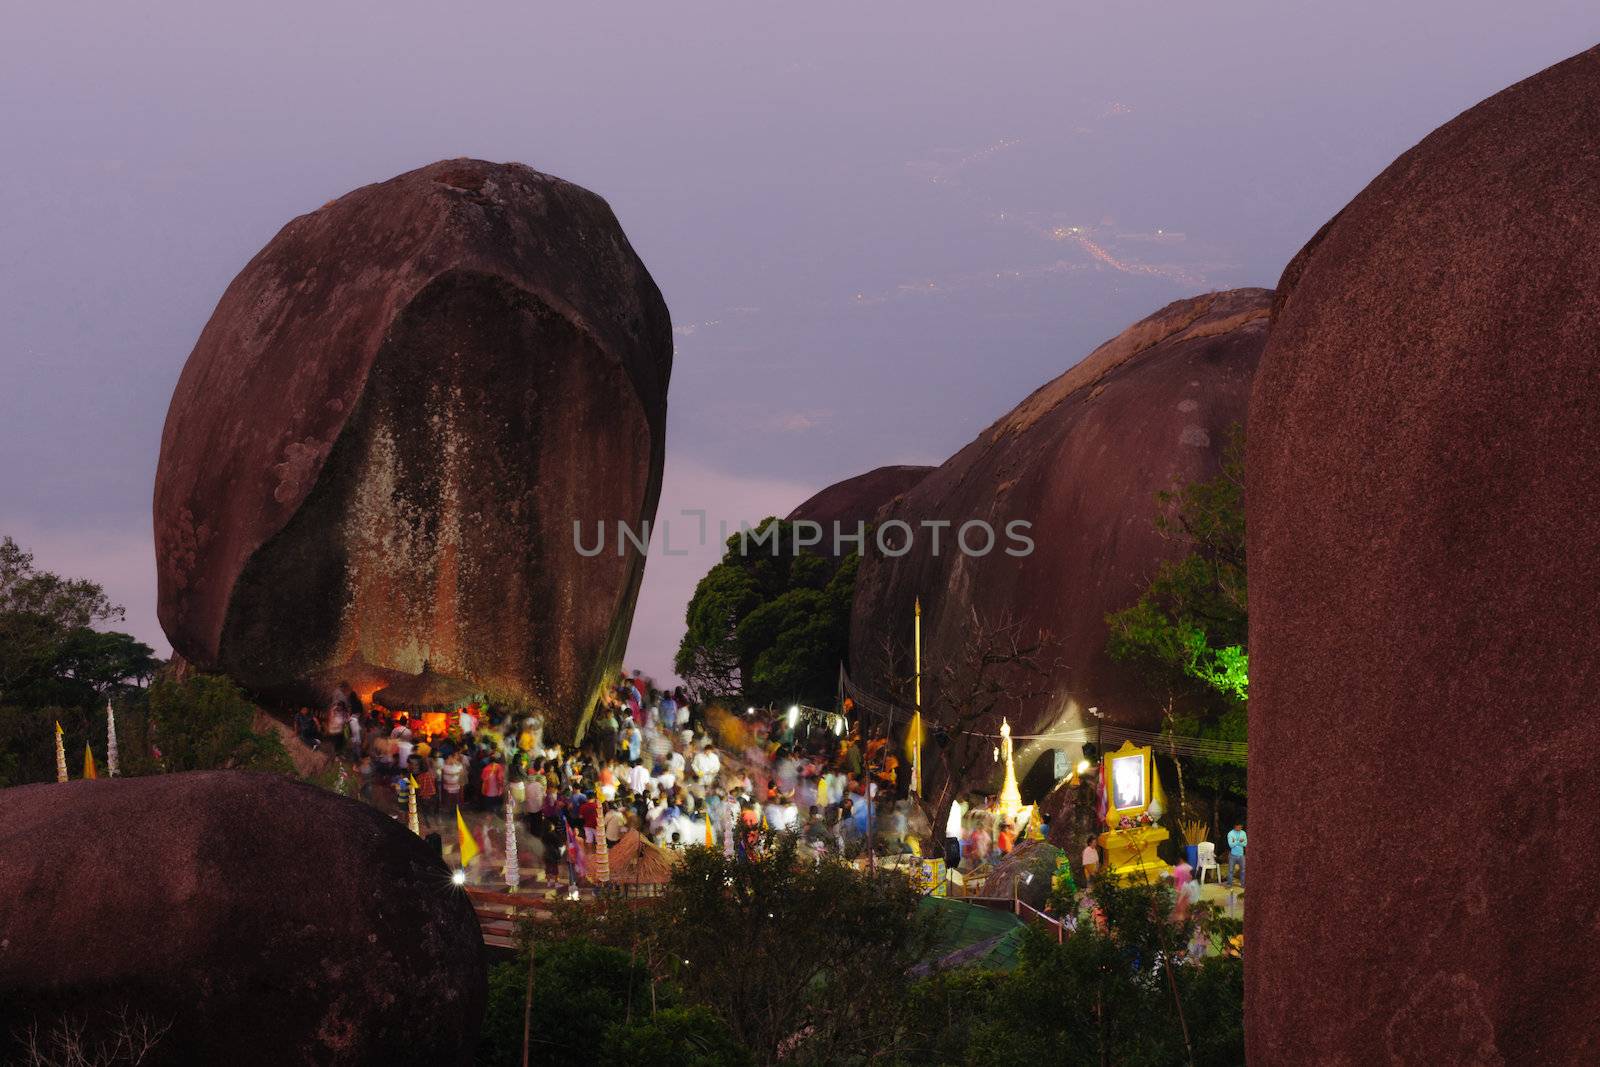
(469, 844)
(88, 762)
(711, 841)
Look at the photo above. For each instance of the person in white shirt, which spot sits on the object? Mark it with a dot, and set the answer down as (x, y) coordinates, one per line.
(402, 750)
(469, 721)
(638, 778)
(707, 765)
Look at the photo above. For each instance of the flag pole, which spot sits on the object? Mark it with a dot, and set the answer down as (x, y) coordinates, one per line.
(916, 717)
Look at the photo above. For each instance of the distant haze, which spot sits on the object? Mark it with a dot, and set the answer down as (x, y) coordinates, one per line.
(878, 225)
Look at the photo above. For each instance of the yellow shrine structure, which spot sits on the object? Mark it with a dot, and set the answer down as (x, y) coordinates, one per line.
(1133, 795)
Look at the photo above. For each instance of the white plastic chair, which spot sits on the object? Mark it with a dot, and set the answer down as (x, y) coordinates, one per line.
(1208, 862)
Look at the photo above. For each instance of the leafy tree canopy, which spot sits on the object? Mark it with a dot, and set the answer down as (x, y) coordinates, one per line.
(804, 960)
(205, 723)
(1103, 996)
(1190, 628)
(70, 603)
(1191, 624)
(580, 991)
(770, 623)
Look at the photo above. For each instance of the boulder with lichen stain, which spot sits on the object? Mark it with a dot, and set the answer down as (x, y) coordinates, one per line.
(381, 443)
(251, 919)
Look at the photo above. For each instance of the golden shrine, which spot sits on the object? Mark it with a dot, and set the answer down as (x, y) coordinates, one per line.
(1134, 803)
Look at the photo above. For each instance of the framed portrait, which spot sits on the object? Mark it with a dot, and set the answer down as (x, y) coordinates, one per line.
(1128, 782)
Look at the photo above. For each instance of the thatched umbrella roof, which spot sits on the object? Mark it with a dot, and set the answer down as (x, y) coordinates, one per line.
(637, 861)
(428, 691)
(364, 677)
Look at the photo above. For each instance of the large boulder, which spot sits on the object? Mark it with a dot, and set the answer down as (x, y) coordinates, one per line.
(842, 505)
(1081, 460)
(379, 447)
(264, 921)
(1423, 549)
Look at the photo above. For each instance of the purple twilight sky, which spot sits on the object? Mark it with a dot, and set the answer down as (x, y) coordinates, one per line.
(878, 224)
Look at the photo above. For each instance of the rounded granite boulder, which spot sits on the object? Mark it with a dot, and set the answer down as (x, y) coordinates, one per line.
(250, 918)
(1424, 557)
(388, 432)
(1080, 463)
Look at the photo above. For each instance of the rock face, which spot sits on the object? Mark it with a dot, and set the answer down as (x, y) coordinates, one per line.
(1081, 460)
(381, 443)
(1424, 432)
(266, 921)
(856, 500)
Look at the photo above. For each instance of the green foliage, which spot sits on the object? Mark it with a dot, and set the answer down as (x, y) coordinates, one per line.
(205, 723)
(580, 991)
(54, 667)
(676, 1037)
(770, 623)
(1191, 623)
(946, 1013)
(1190, 628)
(810, 958)
(69, 603)
(1099, 997)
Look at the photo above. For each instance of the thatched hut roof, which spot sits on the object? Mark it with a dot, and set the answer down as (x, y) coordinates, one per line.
(364, 677)
(637, 861)
(428, 691)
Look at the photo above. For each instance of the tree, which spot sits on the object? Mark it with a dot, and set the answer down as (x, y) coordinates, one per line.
(205, 723)
(69, 603)
(580, 991)
(1113, 995)
(770, 623)
(677, 1037)
(1190, 627)
(55, 667)
(1002, 665)
(805, 961)
(1192, 622)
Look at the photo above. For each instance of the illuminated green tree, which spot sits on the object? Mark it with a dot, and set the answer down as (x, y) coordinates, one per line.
(1190, 627)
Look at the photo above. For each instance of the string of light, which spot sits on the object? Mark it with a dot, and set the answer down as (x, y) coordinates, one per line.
(1206, 748)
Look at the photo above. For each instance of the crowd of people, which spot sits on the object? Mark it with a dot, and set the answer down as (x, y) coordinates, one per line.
(656, 762)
